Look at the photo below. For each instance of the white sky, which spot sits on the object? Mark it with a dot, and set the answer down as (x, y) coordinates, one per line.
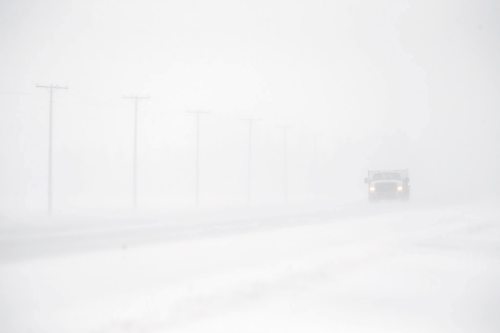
(365, 78)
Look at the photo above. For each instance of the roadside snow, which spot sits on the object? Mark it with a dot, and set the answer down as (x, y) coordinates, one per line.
(396, 270)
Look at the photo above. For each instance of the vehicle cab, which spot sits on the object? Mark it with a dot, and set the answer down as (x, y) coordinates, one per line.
(388, 184)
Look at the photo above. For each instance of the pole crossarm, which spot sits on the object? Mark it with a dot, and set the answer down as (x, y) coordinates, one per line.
(136, 97)
(51, 86)
(197, 112)
(251, 120)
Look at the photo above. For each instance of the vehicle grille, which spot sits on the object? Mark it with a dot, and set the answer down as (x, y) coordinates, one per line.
(386, 187)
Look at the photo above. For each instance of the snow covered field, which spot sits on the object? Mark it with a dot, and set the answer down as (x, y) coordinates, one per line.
(359, 268)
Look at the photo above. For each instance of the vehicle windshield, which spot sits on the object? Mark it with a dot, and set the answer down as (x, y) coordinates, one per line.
(387, 176)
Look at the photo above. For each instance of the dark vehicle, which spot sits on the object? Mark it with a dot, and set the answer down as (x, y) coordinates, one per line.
(388, 184)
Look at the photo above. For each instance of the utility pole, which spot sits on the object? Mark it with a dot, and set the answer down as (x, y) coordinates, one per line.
(315, 169)
(135, 99)
(285, 162)
(250, 122)
(197, 115)
(51, 88)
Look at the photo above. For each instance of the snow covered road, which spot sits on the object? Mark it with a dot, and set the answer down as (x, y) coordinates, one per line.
(391, 268)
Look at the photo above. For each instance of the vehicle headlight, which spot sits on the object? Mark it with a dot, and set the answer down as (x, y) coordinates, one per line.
(372, 188)
(400, 188)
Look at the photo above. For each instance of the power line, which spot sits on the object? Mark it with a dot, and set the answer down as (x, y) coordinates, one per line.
(14, 93)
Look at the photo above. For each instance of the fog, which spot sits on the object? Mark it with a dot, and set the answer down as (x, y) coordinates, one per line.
(361, 85)
(297, 101)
